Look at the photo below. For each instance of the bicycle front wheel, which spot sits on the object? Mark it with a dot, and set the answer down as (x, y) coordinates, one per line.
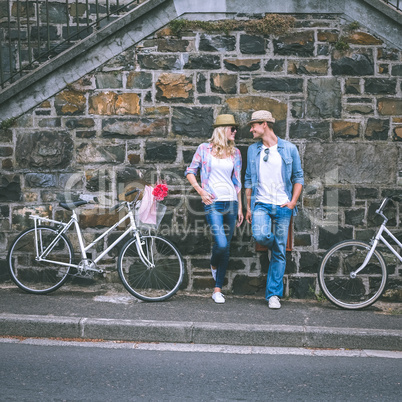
(35, 276)
(340, 285)
(151, 283)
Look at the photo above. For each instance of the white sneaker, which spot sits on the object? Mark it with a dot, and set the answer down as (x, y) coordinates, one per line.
(213, 271)
(218, 297)
(274, 302)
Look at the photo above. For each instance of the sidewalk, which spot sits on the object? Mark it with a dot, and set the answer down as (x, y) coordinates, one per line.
(190, 318)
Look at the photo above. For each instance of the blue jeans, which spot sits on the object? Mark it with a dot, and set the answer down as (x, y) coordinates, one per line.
(221, 217)
(264, 217)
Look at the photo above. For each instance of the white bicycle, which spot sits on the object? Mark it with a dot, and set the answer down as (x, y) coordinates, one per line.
(353, 274)
(41, 258)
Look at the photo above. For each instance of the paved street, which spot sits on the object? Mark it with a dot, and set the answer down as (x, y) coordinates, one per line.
(61, 371)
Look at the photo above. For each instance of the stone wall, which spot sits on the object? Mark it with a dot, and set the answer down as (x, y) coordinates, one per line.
(141, 116)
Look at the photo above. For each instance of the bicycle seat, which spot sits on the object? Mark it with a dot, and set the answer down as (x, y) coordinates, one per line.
(71, 205)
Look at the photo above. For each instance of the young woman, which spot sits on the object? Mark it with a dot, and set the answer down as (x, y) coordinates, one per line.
(219, 163)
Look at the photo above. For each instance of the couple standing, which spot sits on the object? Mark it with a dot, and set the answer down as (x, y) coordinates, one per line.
(273, 183)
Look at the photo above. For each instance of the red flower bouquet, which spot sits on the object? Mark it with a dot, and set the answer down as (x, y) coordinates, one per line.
(160, 191)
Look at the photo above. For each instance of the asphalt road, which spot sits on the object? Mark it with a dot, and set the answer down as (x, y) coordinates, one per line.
(73, 372)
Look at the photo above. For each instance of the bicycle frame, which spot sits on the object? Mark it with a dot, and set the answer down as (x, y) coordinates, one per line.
(380, 238)
(41, 254)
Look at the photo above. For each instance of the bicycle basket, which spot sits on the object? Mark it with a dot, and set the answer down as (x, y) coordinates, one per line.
(149, 216)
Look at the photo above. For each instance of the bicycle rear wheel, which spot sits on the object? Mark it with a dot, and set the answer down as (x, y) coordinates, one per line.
(151, 283)
(338, 283)
(34, 276)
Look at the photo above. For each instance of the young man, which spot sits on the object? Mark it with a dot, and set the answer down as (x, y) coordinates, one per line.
(274, 180)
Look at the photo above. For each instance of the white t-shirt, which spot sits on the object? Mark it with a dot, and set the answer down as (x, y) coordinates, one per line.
(220, 179)
(271, 188)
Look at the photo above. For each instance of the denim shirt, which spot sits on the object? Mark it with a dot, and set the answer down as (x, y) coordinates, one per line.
(202, 160)
(292, 171)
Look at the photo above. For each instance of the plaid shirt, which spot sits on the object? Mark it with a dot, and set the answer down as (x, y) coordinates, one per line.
(202, 161)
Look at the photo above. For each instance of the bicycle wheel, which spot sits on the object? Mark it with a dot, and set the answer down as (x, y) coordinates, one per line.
(34, 276)
(341, 286)
(151, 283)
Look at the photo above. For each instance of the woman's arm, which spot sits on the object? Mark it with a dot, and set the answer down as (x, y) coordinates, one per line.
(205, 196)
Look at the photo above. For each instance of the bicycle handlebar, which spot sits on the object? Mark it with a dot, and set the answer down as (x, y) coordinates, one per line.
(384, 203)
(135, 190)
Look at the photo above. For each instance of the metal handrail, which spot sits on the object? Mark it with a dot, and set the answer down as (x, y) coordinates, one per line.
(394, 3)
(28, 38)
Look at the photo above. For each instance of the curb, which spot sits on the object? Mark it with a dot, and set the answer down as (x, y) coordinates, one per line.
(199, 332)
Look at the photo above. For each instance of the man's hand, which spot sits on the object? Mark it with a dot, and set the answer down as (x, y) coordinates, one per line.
(248, 216)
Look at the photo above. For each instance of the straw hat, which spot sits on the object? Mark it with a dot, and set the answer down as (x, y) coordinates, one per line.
(260, 116)
(225, 120)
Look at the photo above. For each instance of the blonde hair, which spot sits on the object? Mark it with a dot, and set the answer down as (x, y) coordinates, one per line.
(220, 142)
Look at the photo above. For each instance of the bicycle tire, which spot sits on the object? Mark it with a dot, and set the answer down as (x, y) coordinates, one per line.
(336, 282)
(151, 284)
(34, 276)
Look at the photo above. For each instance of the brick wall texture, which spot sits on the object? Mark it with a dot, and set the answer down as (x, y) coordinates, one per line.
(141, 116)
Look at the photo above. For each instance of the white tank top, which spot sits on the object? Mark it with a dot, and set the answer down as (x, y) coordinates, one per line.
(220, 179)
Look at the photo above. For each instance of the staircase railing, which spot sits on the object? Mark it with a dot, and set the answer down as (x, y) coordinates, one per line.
(394, 3)
(34, 31)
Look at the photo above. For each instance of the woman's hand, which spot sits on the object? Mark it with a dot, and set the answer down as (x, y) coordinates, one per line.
(206, 197)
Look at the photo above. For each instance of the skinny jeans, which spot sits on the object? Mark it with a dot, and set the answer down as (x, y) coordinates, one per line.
(221, 217)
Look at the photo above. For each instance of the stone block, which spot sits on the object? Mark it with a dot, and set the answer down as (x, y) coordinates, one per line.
(323, 98)
(44, 150)
(352, 86)
(359, 109)
(329, 236)
(139, 80)
(310, 129)
(70, 103)
(302, 288)
(397, 134)
(377, 129)
(355, 217)
(224, 83)
(246, 285)
(161, 151)
(10, 188)
(363, 38)
(380, 86)
(396, 70)
(201, 83)
(355, 64)
(217, 43)
(172, 45)
(159, 62)
(97, 153)
(174, 87)
(389, 106)
(274, 65)
(192, 122)
(328, 36)
(252, 44)
(110, 103)
(372, 163)
(298, 44)
(110, 80)
(202, 62)
(6, 151)
(135, 127)
(309, 262)
(346, 129)
(40, 180)
(242, 64)
(266, 84)
(308, 67)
